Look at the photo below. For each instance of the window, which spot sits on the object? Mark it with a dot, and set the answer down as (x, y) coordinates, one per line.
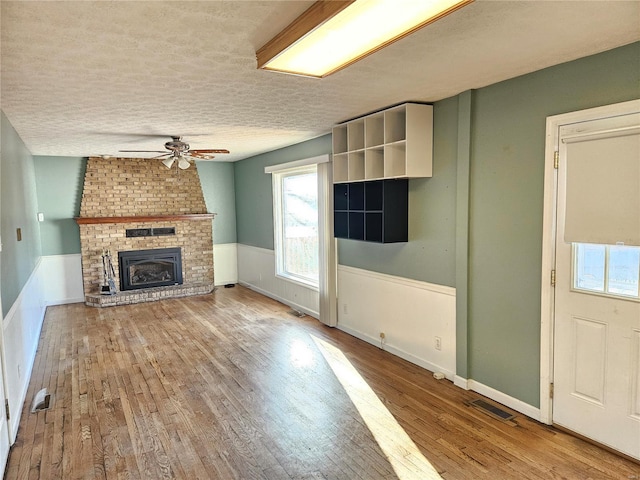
(295, 193)
(611, 270)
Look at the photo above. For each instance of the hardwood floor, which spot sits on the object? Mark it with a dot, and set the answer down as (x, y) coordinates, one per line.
(230, 385)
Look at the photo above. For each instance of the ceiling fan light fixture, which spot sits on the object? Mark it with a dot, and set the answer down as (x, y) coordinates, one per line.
(183, 163)
(168, 162)
(331, 35)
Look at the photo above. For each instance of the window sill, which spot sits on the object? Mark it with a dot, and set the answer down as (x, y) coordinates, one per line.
(298, 281)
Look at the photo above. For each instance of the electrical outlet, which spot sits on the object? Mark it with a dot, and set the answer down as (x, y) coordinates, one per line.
(344, 309)
(19, 375)
(438, 343)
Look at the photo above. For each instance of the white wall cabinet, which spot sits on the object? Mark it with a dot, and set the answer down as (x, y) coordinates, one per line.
(393, 143)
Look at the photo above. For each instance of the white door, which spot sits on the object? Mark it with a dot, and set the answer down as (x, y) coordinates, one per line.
(596, 363)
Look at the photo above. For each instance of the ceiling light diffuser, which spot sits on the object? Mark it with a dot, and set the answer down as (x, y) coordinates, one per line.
(168, 162)
(183, 163)
(331, 34)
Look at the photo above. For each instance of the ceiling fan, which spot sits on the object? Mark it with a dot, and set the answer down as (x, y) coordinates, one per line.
(181, 152)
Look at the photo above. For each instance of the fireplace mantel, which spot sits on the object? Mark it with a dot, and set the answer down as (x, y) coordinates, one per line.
(154, 218)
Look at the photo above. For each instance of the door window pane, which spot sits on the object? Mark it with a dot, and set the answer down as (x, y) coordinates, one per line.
(607, 269)
(624, 263)
(590, 267)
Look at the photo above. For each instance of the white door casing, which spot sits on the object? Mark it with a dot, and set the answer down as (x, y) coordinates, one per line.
(4, 424)
(5, 435)
(590, 344)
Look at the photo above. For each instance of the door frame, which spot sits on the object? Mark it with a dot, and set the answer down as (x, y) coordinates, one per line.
(547, 301)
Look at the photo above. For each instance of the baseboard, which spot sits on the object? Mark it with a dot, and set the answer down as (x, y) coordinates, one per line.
(498, 396)
(293, 305)
(65, 301)
(461, 382)
(432, 367)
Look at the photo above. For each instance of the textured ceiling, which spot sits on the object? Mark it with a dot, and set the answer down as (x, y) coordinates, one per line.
(91, 78)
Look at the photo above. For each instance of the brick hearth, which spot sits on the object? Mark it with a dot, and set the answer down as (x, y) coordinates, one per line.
(127, 193)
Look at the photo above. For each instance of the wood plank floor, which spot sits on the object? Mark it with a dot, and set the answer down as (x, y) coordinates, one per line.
(231, 386)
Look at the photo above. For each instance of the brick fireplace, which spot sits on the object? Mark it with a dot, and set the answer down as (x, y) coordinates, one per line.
(133, 204)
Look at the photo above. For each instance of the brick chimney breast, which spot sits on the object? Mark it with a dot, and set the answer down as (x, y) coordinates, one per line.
(128, 193)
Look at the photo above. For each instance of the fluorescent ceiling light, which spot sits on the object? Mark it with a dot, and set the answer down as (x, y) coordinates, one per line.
(331, 35)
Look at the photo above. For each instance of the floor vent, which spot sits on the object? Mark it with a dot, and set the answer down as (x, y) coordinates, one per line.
(41, 402)
(492, 410)
(297, 313)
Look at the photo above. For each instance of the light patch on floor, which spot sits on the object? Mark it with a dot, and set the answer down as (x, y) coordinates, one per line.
(403, 455)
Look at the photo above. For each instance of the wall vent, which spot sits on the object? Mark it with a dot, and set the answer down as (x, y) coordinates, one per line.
(150, 232)
(492, 410)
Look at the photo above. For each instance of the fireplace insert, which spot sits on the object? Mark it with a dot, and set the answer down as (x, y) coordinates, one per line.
(150, 268)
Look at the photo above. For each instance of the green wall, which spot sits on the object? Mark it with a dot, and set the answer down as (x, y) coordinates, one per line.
(18, 209)
(218, 187)
(506, 203)
(254, 197)
(59, 182)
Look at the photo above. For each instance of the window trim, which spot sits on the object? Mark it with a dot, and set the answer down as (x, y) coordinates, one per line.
(278, 225)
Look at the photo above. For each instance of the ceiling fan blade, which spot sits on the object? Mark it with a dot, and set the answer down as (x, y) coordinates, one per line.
(201, 156)
(160, 156)
(209, 150)
(198, 156)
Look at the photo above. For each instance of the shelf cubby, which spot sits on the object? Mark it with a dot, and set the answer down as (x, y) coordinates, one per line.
(395, 128)
(393, 143)
(394, 160)
(355, 132)
(340, 167)
(339, 137)
(374, 130)
(356, 166)
(374, 163)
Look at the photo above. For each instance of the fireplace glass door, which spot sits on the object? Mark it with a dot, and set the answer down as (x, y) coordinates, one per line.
(150, 268)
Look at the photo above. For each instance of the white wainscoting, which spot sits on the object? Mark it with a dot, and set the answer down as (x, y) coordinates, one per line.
(62, 274)
(21, 330)
(257, 271)
(411, 314)
(62, 279)
(225, 263)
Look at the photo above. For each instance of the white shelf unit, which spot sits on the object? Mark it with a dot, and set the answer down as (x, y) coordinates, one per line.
(393, 143)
